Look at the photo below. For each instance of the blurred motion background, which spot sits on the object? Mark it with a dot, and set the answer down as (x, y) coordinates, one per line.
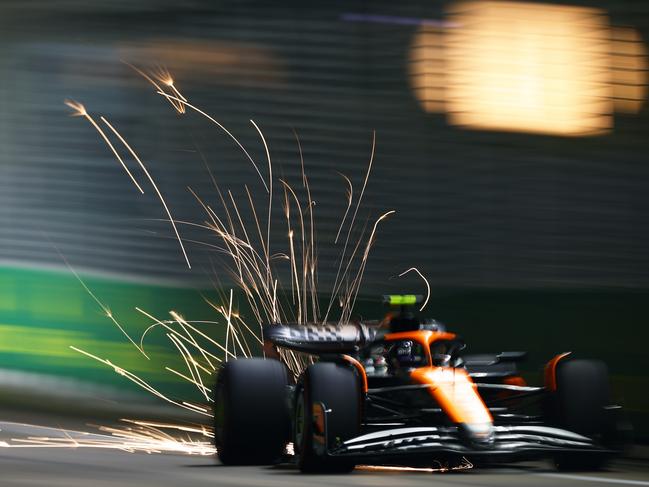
(512, 139)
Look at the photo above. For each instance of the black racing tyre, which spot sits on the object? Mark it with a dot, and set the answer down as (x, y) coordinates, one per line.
(338, 388)
(251, 416)
(582, 393)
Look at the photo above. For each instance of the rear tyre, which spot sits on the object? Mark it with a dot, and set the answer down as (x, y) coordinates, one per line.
(251, 417)
(579, 405)
(336, 387)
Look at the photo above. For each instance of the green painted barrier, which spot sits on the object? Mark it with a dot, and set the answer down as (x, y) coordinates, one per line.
(43, 314)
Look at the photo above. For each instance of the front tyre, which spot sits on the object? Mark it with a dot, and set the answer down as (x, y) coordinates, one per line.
(330, 390)
(251, 417)
(579, 405)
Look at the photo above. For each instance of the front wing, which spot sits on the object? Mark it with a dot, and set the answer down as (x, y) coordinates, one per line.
(421, 444)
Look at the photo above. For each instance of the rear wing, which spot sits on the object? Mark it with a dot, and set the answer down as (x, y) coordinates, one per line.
(320, 338)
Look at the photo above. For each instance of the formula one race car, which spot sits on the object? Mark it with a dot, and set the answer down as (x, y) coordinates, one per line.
(401, 392)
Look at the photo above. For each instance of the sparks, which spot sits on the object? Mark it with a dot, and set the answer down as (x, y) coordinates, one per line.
(414, 269)
(465, 465)
(163, 77)
(133, 436)
(155, 186)
(255, 269)
(80, 111)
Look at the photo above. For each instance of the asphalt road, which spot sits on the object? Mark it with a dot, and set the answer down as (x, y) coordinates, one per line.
(72, 468)
(64, 467)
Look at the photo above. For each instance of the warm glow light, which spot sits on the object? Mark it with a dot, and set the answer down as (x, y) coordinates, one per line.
(223, 63)
(629, 63)
(427, 67)
(528, 67)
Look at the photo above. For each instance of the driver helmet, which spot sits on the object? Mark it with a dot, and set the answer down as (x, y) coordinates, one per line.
(405, 356)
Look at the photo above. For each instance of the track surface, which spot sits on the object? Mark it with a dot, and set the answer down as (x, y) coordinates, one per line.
(48, 467)
(72, 468)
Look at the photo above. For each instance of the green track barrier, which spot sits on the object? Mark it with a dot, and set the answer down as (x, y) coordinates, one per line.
(43, 314)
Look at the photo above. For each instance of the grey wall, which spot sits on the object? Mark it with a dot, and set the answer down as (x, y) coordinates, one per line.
(474, 208)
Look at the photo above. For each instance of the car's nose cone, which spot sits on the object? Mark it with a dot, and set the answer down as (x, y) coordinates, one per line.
(479, 435)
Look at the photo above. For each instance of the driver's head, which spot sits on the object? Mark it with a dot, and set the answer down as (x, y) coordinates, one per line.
(406, 355)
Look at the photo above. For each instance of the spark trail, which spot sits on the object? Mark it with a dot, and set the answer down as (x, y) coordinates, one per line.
(257, 271)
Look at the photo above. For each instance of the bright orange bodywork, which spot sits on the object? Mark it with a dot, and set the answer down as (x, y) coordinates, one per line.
(455, 393)
(516, 380)
(453, 389)
(551, 371)
(359, 368)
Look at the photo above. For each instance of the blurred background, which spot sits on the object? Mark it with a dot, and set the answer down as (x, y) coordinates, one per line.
(512, 139)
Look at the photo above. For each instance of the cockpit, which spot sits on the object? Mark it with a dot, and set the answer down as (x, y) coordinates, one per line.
(395, 356)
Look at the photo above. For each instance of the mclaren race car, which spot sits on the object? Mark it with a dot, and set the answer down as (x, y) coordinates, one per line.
(401, 392)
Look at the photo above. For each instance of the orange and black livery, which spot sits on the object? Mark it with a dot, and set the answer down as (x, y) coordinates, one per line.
(403, 391)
